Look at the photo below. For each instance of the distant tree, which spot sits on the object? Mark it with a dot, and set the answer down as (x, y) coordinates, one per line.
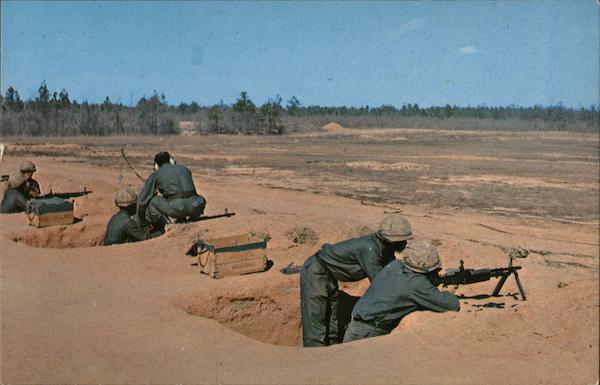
(194, 107)
(293, 106)
(12, 100)
(43, 99)
(215, 119)
(106, 105)
(271, 113)
(245, 118)
(63, 99)
(151, 111)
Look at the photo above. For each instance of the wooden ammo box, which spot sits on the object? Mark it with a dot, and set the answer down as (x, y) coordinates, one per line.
(239, 254)
(49, 212)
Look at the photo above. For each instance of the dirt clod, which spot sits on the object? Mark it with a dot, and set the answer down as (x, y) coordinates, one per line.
(518, 252)
(302, 235)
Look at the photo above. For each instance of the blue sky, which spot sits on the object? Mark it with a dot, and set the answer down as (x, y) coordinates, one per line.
(328, 53)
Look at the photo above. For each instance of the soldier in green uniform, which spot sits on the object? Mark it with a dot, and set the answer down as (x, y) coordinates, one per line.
(121, 228)
(399, 289)
(22, 188)
(350, 260)
(178, 198)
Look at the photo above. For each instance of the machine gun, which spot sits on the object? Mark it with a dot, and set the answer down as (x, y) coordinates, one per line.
(65, 195)
(462, 276)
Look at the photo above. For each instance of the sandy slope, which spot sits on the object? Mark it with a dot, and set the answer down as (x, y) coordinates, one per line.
(119, 314)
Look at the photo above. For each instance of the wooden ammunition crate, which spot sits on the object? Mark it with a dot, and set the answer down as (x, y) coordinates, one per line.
(239, 254)
(49, 212)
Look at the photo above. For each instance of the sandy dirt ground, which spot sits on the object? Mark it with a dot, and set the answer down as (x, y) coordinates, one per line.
(76, 312)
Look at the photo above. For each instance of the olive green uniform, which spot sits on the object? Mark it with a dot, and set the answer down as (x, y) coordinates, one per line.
(16, 198)
(350, 260)
(122, 229)
(395, 292)
(178, 198)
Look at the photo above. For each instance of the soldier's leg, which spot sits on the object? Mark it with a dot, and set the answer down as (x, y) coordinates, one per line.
(332, 330)
(13, 202)
(194, 206)
(358, 330)
(314, 303)
(157, 210)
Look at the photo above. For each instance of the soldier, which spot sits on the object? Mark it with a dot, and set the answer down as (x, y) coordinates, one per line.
(350, 260)
(178, 198)
(399, 289)
(22, 188)
(121, 228)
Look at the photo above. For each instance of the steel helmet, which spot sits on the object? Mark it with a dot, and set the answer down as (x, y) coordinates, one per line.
(125, 197)
(395, 228)
(421, 256)
(27, 166)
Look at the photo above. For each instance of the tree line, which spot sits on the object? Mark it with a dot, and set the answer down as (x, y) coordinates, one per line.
(56, 114)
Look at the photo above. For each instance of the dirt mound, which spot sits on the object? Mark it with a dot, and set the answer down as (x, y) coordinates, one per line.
(188, 127)
(302, 235)
(334, 127)
(62, 237)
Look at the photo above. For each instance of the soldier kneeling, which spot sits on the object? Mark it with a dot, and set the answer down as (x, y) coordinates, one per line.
(399, 289)
(121, 227)
(178, 198)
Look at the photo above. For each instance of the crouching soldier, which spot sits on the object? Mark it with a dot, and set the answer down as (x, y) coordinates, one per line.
(350, 260)
(22, 188)
(399, 289)
(178, 198)
(121, 227)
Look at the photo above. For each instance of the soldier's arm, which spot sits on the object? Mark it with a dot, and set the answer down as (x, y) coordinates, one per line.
(429, 297)
(136, 232)
(371, 262)
(145, 195)
(33, 188)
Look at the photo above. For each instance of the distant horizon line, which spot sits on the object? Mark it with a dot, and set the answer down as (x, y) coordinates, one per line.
(133, 104)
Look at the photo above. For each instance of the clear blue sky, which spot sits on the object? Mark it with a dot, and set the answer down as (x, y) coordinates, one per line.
(328, 53)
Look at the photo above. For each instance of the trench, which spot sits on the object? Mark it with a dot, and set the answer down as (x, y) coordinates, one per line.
(267, 314)
(62, 237)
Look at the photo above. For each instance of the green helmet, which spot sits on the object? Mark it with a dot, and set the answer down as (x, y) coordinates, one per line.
(395, 228)
(125, 197)
(27, 166)
(421, 256)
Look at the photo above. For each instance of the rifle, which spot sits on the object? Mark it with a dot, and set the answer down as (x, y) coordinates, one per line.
(462, 276)
(226, 214)
(65, 195)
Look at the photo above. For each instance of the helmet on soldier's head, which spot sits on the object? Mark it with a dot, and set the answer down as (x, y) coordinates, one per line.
(27, 166)
(395, 228)
(421, 256)
(125, 197)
